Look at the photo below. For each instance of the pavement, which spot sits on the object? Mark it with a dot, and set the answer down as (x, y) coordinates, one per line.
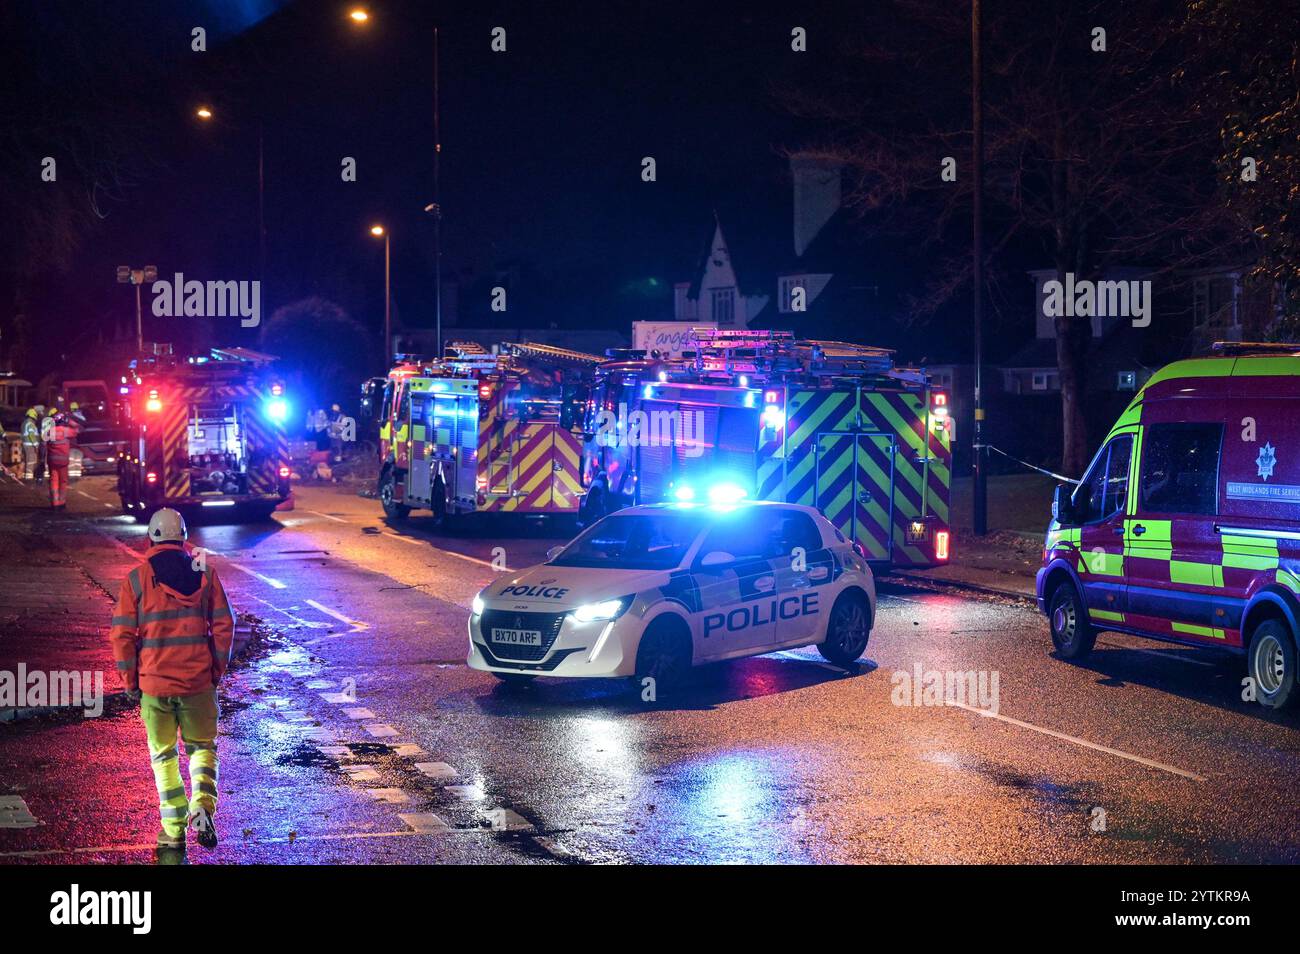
(352, 731)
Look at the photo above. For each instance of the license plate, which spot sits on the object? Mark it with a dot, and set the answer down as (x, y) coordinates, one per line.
(517, 637)
(918, 534)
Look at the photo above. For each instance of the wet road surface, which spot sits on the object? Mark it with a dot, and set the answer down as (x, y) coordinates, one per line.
(356, 733)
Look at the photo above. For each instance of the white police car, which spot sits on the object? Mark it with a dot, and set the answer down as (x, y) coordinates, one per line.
(653, 590)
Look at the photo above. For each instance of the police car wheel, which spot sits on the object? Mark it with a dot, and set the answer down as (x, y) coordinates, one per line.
(392, 508)
(515, 678)
(1272, 663)
(1072, 635)
(664, 655)
(847, 631)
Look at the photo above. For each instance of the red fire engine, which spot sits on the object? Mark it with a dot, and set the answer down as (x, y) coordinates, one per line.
(478, 432)
(204, 432)
(756, 414)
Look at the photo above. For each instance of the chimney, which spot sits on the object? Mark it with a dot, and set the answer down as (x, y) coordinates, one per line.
(816, 197)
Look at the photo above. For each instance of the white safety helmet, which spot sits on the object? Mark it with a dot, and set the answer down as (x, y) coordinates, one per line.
(167, 524)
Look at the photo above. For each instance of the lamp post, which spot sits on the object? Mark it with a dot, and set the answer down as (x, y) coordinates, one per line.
(139, 277)
(361, 17)
(205, 114)
(979, 459)
(378, 231)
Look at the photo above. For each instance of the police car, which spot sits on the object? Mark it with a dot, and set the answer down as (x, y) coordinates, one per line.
(654, 590)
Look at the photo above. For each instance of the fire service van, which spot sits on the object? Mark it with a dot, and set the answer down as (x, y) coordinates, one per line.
(204, 433)
(1186, 526)
(479, 432)
(757, 415)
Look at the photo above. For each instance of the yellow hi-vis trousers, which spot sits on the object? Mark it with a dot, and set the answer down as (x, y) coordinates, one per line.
(196, 718)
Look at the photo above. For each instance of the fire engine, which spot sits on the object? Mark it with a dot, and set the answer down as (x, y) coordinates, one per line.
(204, 431)
(481, 432)
(759, 415)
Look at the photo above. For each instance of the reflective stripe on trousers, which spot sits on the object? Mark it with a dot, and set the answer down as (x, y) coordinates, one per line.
(195, 717)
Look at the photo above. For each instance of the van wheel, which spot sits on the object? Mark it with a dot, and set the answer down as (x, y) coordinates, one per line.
(664, 656)
(1072, 635)
(847, 631)
(387, 489)
(1271, 662)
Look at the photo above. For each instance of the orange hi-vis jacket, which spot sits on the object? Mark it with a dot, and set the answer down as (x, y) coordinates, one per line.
(168, 643)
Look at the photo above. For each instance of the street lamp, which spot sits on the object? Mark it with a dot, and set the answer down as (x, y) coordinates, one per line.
(203, 113)
(360, 15)
(126, 275)
(378, 231)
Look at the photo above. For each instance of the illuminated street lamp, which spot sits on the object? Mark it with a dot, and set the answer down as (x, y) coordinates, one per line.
(359, 15)
(378, 231)
(203, 113)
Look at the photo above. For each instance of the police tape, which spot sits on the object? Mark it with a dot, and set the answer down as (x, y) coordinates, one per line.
(1025, 463)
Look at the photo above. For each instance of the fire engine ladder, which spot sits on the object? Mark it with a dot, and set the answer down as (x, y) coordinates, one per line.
(741, 351)
(552, 353)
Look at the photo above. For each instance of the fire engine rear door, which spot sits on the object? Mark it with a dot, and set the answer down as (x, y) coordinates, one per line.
(855, 488)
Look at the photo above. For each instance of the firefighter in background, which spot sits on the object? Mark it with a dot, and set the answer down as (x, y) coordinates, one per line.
(172, 634)
(32, 442)
(335, 429)
(58, 440)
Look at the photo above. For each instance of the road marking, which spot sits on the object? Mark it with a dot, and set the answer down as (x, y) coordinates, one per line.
(424, 823)
(436, 769)
(14, 813)
(389, 796)
(326, 516)
(269, 580)
(398, 536)
(359, 713)
(450, 553)
(506, 819)
(1078, 741)
(87, 496)
(356, 624)
(1157, 653)
(382, 731)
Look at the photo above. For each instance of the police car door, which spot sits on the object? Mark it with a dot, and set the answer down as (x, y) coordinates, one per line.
(737, 585)
(804, 569)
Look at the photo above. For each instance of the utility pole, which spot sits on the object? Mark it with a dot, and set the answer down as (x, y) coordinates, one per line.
(139, 277)
(979, 457)
(437, 200)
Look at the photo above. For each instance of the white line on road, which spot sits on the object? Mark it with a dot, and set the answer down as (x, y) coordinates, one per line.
(1078, 741)
(398, 536)
(450, 553)
(356, 624)
(87, 496)
(269, 580)
(326, 516)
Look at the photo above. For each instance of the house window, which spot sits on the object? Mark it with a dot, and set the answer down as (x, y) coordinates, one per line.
(1039, 381)
(1126, 381)
(724, 306)
(788, 285)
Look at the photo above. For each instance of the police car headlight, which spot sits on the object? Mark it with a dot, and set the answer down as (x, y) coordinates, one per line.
(605, 610)
(476, 607)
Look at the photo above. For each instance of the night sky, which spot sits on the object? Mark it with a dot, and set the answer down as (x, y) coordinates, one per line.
(541, 152)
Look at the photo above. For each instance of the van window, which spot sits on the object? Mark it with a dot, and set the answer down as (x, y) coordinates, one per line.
(1180, 468)
(1104, 490)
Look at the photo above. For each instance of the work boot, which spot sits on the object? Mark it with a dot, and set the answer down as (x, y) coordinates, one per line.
(204, 828)
(175, 842)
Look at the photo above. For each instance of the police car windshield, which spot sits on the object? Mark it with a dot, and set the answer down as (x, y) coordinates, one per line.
(644, 542)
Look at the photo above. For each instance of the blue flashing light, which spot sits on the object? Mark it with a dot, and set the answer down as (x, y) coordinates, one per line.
(684, 493)
(277, 409)
(727, 493)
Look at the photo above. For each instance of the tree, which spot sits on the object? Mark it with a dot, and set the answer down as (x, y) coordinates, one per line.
(320, 346)
(1254, 97)
(1092, 154)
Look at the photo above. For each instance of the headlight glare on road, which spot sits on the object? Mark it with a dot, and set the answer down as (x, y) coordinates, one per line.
(476, 607)
(604, 610)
